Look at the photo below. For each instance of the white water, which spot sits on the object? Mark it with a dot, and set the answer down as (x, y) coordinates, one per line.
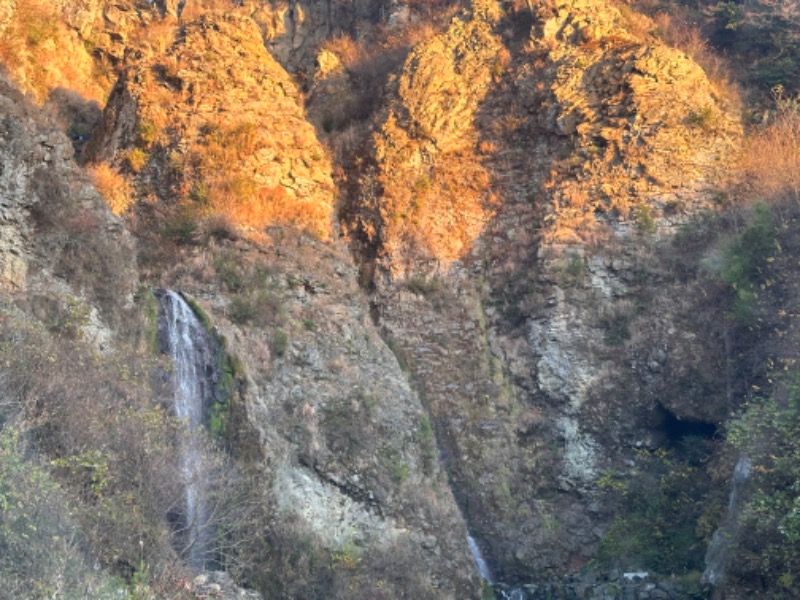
(724, 538)
(186, 342)
(480, 562)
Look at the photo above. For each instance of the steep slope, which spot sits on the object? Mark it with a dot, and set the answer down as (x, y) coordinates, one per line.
(209, 145)
(562, 318)
(237, 211)
(509, 224)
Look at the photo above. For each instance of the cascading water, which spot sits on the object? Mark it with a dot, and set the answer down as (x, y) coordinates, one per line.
(185, 340)
(480, 562)
(724, 538)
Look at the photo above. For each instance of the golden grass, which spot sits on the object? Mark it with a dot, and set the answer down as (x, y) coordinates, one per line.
(244, 202)
(112, 186)
(41, 54)
(770, 163)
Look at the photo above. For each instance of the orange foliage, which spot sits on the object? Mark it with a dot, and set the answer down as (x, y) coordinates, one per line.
(112, 186)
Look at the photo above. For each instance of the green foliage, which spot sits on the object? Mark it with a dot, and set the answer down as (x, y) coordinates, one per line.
(704, 118)
(573, 270)
(397, 468)
(424, 438)
(768, 432)
(616, 327)
(348, 556)
(198, 311)
(645, 219)
(745, 260)
(229, 271)
(147, 133)
(424, 285)
(487, 591)
(241, 310)
(279, 343)
(39, 545)
(657, 527)
(181, 227)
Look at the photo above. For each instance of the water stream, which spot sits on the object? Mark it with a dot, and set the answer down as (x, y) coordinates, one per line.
(480, 562)
(185, 340)
(724, 538)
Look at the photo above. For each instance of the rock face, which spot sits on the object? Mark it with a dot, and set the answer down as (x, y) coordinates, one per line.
(53, 221)
(508, 226)
(640, 116)
(350, 455)
(434, 200)
(295, 30)
(349, 452)
(522, 340)
(215, 144)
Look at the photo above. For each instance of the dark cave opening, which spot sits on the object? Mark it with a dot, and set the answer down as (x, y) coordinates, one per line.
(690, 440)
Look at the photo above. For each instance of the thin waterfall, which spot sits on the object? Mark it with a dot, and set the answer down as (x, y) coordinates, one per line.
(185, 340)
(724, 538)
(480, 562)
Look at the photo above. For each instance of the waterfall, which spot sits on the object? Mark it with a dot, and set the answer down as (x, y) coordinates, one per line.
(185, 340)
(480, 562)
(724, 538)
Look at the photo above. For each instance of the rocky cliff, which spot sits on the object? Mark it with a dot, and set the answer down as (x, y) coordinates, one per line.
(521, 186)
(468, 265)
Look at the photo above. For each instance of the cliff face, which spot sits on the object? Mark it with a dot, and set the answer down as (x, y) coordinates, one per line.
(510, 229)
(527, 328)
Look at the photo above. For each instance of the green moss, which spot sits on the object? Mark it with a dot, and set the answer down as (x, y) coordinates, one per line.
(147, 299)
(199, 312)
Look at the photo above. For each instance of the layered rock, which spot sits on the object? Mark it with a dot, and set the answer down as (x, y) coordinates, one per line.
(57, 231)
(43, 54)
(434, 197)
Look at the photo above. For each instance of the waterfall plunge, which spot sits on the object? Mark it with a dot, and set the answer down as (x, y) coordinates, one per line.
(185, 340)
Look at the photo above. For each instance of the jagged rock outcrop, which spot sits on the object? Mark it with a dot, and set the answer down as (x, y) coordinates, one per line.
(509, 318)
(42, 54)
(236, 146)
(434, 198)
(512, 210)
(349, 453)
(294, 30)
(57, 230)
(645, 124)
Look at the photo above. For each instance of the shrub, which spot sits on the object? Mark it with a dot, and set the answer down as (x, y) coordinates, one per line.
(771, 161)
(768, 432)
(279, 343)
(659, 513)
(241, 311)
(41, 555)
(745, 259)
(112, 186)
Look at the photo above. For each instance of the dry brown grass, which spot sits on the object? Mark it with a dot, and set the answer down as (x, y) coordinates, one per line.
(771, 161)
(112, 186)
(249, 205)
(41, 54)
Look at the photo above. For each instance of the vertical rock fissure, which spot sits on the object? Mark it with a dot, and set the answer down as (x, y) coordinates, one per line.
(186, 341)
